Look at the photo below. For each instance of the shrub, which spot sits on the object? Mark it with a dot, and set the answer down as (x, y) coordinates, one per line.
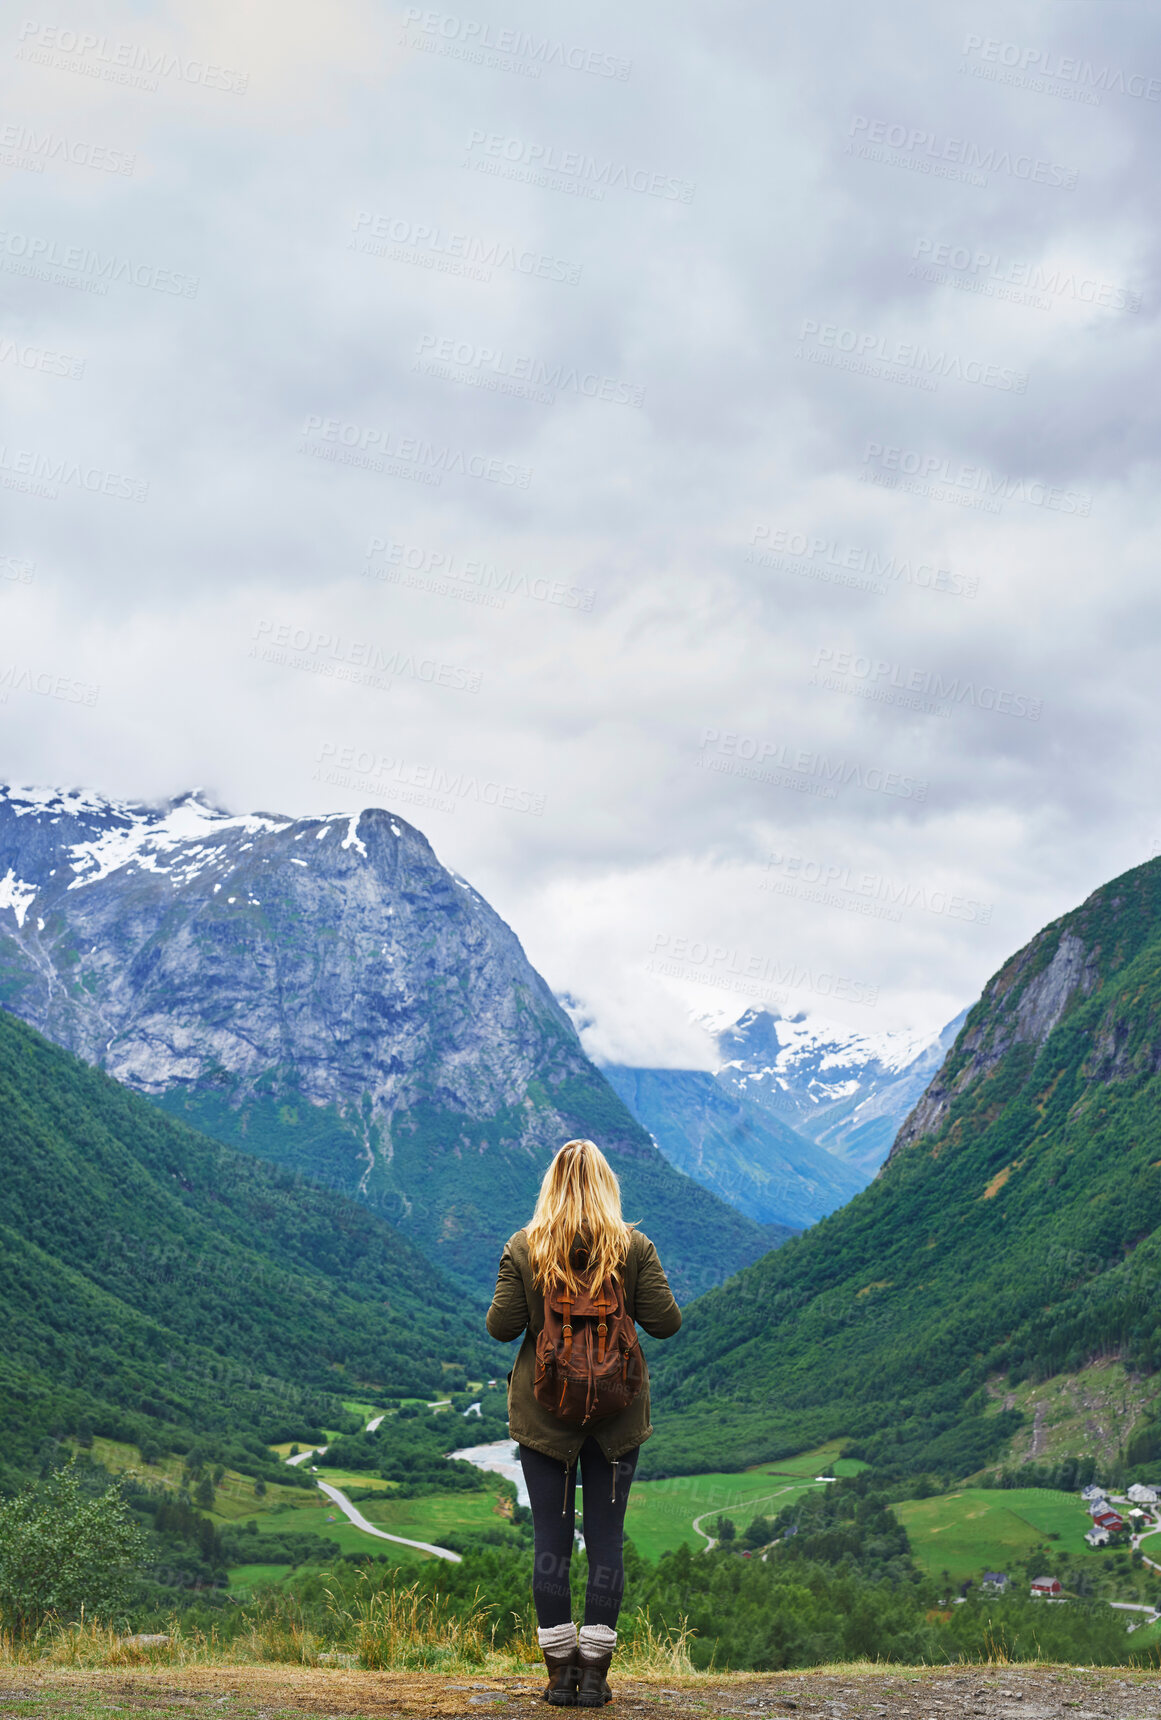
(62, 1554)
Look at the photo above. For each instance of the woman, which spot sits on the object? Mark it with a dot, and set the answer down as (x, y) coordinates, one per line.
(578, 1241)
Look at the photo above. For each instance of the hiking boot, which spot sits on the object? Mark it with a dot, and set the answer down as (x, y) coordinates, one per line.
(593, 1690)
(563, 1677)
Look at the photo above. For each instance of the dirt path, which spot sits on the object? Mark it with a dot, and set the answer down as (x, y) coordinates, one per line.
(283, 1693)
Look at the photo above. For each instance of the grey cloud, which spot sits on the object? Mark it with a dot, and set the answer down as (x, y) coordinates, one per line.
(669, 231)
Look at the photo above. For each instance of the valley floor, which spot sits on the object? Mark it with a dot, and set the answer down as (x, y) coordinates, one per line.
(848, 1693)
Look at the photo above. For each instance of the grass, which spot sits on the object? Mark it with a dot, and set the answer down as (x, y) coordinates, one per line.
(234, 1496)
(323, 1518)
(368, 1411)
(247, 1577)
(824, 1460)
(398, 1629)
(346, 1478)
(661, 1514)
(432, 1516)
(1087, 1413)
(979, 1528)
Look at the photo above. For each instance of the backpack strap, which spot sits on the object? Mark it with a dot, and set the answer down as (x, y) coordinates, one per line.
(604, 1306)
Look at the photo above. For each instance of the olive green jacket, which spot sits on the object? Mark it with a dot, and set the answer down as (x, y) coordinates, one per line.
(518, 1306)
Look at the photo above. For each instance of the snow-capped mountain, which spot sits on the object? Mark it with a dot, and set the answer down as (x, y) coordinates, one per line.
(844, 1090)
(324, 993)
(797, 1116)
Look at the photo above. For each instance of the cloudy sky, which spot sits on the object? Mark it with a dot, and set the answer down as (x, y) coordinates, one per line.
(698, 464)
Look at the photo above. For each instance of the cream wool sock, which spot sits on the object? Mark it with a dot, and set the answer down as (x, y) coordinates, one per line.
(557, 1638)
(596, 1640)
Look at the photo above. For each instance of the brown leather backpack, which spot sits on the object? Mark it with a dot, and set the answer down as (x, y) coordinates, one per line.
(588, 1361)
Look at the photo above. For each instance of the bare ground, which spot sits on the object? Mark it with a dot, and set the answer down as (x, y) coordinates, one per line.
(284, 1693)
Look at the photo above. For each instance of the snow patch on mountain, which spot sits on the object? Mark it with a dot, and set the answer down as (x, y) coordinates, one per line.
(17, 895)
(845, 1090)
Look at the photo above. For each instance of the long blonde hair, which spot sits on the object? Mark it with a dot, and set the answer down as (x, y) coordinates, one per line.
(579, 1197)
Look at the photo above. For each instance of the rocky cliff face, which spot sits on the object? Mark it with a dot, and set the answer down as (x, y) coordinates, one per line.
(323, 992)
(1020, 1006)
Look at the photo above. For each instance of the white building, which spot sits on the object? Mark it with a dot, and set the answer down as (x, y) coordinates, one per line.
(1139, 1494)
(1097, 1537)
(1091, 1492)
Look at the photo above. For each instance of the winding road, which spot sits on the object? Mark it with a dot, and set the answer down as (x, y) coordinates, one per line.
(743, 1505)
(355, 1516)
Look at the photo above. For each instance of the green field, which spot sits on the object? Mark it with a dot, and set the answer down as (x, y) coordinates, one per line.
(661, 1514)
(348, 1478)
(980, 1528)
(243, 1578)
(434, 1515)
(368, 1411)
(823, 1460)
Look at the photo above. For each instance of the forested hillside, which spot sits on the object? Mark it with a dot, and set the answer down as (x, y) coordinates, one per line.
(157, 1287)
(1012, 1234)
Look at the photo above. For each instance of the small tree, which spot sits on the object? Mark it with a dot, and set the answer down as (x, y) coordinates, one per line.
(61, 1552)
(759, 1534)
(205, 1493)
(725, 1529)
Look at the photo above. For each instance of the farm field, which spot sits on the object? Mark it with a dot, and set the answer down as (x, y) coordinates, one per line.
(661, 1514)
(234, 1496)
(824, 1460)
(981, 1528)
(432, 1516)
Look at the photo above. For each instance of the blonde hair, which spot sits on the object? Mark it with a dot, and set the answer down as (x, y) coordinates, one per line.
(579, 1197)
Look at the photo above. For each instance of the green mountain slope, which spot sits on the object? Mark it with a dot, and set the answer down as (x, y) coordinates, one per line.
(1014, 1229)
(155, 1285)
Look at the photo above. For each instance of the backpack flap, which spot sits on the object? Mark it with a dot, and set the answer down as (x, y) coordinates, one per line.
(588, 1361)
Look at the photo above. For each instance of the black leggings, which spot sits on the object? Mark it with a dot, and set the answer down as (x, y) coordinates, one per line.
(552, 1492)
